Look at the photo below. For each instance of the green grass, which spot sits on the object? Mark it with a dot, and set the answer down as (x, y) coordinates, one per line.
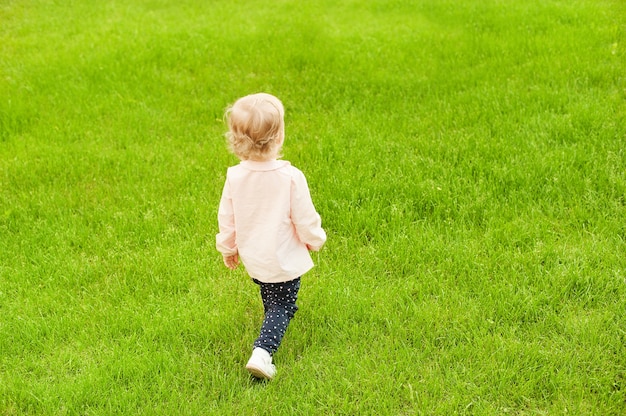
(467, 158)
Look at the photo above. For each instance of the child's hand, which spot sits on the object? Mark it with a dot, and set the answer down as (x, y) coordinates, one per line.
(231, 261)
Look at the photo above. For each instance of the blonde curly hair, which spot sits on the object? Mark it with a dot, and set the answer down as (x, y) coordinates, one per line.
(256, 127)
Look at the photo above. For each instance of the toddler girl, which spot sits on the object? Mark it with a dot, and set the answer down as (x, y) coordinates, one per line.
(266, 219)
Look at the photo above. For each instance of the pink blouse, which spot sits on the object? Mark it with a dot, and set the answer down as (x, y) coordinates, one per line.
(266, 215)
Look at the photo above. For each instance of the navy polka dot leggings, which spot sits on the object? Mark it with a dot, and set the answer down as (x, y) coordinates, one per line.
(279, 303)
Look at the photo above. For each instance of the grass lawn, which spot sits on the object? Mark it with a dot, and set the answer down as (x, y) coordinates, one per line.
(467, 157)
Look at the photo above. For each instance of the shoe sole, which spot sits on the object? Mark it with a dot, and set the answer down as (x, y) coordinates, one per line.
(258, 372)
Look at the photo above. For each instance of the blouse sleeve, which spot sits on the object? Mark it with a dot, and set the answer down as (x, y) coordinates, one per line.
(306, 220)
(225, 240)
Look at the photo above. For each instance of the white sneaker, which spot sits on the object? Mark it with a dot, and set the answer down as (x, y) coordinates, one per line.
(260, 364)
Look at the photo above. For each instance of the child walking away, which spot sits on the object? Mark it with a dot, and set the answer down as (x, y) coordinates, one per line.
(266, 219)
